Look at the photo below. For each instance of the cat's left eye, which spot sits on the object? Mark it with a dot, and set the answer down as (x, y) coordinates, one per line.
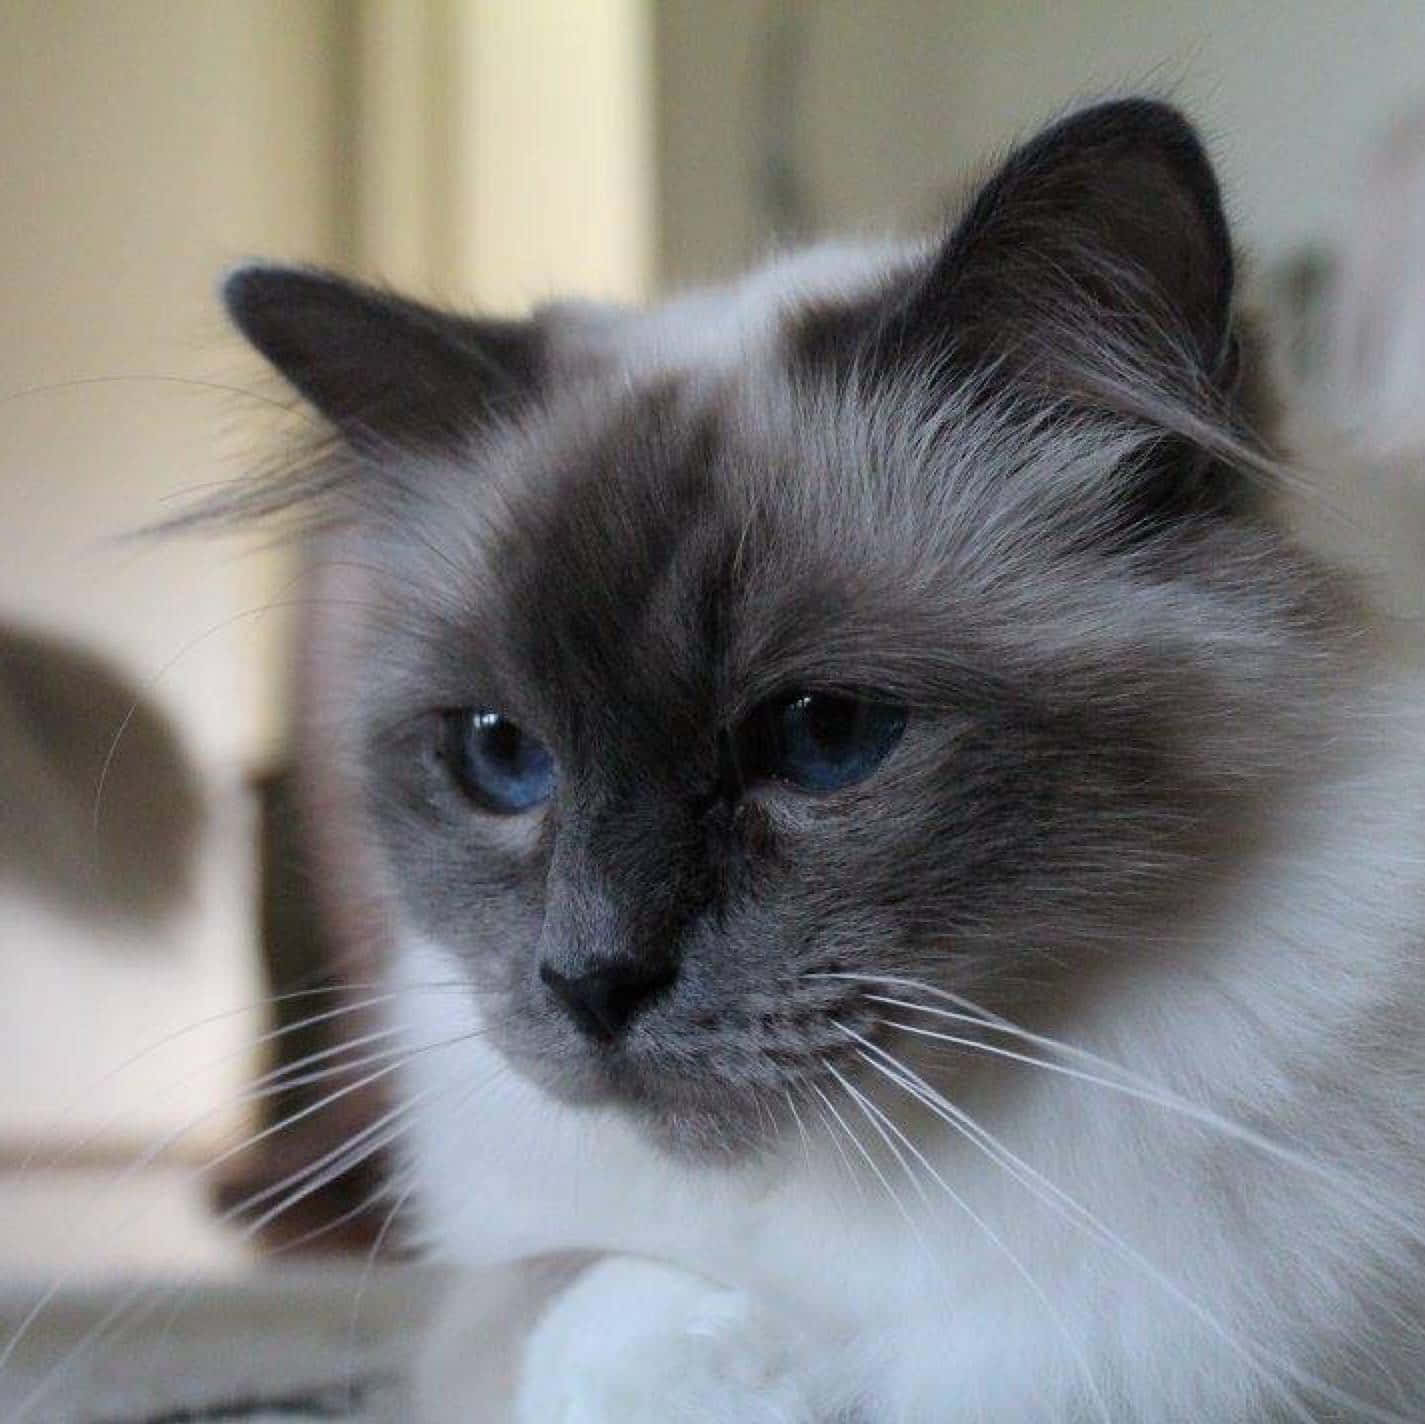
(497, 764)
(821, 741)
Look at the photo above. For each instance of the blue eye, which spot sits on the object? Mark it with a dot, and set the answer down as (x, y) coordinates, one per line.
(498, 766)
(822, 741)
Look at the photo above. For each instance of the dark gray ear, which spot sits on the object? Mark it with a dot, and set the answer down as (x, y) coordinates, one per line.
(385, 371)
(1107, 225)
(1112, 215)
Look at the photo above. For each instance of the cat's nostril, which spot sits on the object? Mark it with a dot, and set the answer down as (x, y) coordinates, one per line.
(603, 1001)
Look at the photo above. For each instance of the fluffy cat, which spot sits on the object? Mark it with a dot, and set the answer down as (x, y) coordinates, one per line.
(905, 862)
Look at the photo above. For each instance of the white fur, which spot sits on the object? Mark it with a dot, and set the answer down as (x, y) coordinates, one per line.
(719, 328)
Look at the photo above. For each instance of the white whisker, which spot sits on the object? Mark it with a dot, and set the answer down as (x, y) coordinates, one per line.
(1127, 1083)
(866, 1156)
(801, 1128)
(103, 1327)
(870, 1108)
(147, 1159)
(1067, 1207)
(830, 1126)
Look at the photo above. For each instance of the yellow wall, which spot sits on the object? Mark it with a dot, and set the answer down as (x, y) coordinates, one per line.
(143, 147)
(898, 98)
(488, 151)
(505, 148)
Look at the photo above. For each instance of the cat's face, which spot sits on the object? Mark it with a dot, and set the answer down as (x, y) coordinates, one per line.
(697, 695)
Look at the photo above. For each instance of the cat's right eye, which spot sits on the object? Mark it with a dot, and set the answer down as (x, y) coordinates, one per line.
(497, 764)
(821, 741)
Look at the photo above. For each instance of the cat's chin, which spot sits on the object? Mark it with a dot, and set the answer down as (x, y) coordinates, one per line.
(706, 1120)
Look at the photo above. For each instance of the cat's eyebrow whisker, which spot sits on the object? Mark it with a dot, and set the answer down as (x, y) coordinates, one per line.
(1065, 1206)
(150, 683)
(255, 613)
(292, 408)
(877, 1116)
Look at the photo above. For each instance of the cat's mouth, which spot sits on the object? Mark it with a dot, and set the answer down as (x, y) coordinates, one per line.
(710, 1089)
(702, 1117)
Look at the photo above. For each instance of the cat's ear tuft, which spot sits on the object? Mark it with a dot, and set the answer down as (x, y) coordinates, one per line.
(385, 371)
(1106, 227)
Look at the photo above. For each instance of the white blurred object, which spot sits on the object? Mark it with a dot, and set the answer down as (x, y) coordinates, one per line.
(1376, 340)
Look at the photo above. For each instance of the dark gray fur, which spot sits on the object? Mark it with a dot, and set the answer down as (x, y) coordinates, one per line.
(1012, 482)
(101, 811)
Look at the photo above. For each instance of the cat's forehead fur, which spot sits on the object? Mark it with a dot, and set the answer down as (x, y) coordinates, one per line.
(727, 327)
(690, 488)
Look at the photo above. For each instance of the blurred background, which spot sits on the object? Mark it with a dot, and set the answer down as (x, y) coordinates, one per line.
(489, 153)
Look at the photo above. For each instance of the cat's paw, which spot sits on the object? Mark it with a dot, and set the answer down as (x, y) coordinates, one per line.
(635, 1342)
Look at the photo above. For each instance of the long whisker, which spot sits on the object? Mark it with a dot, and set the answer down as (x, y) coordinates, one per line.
(148, 1158)
(353, 1324)
(1134, 1085)
(104, 1326)
(401, 1198)
(299, 1185)
(75, 1149)
(1182, 1107)
(145, 1160)
(1262, 1362)
(865, 1107)
(801, 1127)
(1157, 1099)
(830, 1125)
(385, 1191)
(866, 1156)
(869, 1108)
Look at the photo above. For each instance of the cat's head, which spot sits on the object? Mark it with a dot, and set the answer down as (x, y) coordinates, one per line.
(906, 614)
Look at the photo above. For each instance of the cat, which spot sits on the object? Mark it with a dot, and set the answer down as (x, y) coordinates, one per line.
(903, 849)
